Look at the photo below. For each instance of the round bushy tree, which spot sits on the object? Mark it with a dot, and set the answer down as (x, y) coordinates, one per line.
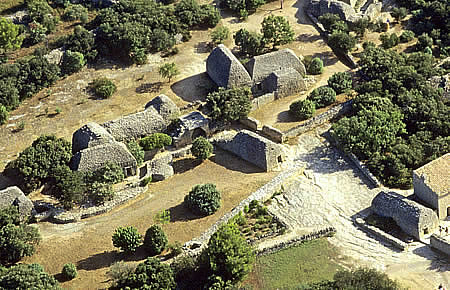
(72, 62)
(322, 96)
(316, 66)
(137, 151)
(229, 105)
(110, 173)
(342, 41)
(201, 148)
(424, 41)
(155, 240)
(203, 199)
(406, 36)
(128, 239)
(340, 82)
(103, 87)
(156, 140)
(302, 109)
(69, 271)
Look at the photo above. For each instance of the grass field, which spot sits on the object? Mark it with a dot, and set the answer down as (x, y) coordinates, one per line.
(9, 6)
(309, 262)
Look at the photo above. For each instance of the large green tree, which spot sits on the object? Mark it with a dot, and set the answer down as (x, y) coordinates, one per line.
(229, 105)
(276, 30)
(24, 276)
(10, 38)
(250, 43)
(229, 254)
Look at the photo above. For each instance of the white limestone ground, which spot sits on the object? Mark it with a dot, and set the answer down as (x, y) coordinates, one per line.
(329, 192)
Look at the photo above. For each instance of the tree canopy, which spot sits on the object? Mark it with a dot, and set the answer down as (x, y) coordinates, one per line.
(229, 105)
(276, 30)
(10, 38)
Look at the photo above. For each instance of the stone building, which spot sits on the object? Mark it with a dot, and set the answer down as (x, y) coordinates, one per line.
(413, 218)
(90, 135)
(14, 196)
(280, 72)
(255, 149)
(432, 185)
(191, 126)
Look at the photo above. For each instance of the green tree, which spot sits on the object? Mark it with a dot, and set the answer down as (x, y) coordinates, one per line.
(127, 239)
(364, 278)
(100, 192)
(315, 67)
(154, 141)
(203, 199)
(25, 276)
(229, 105)
(228, 253)
(360, 26)
(219, 35)
(328, 19)
(155, 240)
(69, 271)
(103, 87)
(399, 13)
(342, 41)
(151, 274)
(389, 40)
(276, 30)
(340, 82)
(137, 151)
(110, 173)
(322, 96)
(406, 36)
(424, 41)
(72, 62)
(70, 186)
(250, 43)
(201, 148)
(10, 38)
(76, 12)
(168, 71)
(82, 41)
(302, 109)
(3, 115)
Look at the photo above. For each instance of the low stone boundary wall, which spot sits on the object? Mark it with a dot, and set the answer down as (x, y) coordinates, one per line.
(383, 236)
(440, 244)
(296, 241)
(273, 133)
(250, 123)
(262, 100)
(320, 119)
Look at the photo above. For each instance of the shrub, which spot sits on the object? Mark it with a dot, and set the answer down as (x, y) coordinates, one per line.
(23, 276)
(363, 278)
(72, 62)
(110, 173)
(340, 82)
(424, 41)
(322, 96)
(155, 240)
(276, 30)
(389, 41)
(328, 19)
(137, 151)
(162, 217)
(399, 13)
(69, 271)
(103, 87)
(127, 239)
(82, 41)
(250, 43)
(151, 274)
(70, 186)
(3, 115)
(168, 71)
(175, 249)
(316, 66)
(407, 36)
(100, 192)
(203, 199)
(229, 105)
(220, 34)
(154, 141)
(120, 271)
(302, 109)
(342, 41)
(201, 148)
(76, 12)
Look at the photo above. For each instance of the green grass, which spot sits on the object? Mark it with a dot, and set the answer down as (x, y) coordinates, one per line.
(10, 6)
(312, 261)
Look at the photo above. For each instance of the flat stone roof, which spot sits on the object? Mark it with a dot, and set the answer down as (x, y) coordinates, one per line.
(436, 174)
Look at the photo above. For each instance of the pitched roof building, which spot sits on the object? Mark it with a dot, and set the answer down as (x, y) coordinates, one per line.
(14, 196)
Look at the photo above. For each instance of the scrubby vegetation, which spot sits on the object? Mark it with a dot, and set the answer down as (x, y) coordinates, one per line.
(103, 87)
(340, 82)
(322, 96)
(201, 148)
(203, 199)
(25, 276)
(137, 151)
(69, 271)
(302, 109)
(127, 239)
(155, 240)
(315, 67)
(229, 105)
(155, 141)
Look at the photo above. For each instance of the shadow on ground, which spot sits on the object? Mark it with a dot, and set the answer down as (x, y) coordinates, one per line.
(438, 261)
(181, 213)
(149, 88)
(100, 260)
(185, 164)
(234, 163)
(285, 117)
(328, 57)
(193, 88)
(301, 16)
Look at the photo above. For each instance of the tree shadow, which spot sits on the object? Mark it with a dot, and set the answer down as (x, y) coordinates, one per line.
(185, 164)
(100, 260)
(301, 16)
(286, 117)
(203, 47)
(194, 88)
(439, 262)
(149, 88)
(308, 37)
(233, 162)
(328, 57)
(13, 9)
(180, 213)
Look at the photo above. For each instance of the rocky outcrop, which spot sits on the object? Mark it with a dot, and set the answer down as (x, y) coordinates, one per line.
(55, 56)
(345, 11)
(14, 196)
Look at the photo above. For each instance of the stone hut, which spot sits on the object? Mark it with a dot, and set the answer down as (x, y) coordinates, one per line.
(284, 82)
(432, 185)
(164, 106)
(93, 158)
(226, 70)
(412, 217)
(255, 149)
(14, 196)
(90, 135)
(191, 126)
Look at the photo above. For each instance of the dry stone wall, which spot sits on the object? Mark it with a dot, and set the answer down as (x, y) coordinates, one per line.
(262, 100)
(440, 244)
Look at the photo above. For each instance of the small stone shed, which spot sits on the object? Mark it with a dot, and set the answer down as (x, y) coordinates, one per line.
(255, 149)
(432, 185)
(90, 135)
(191, 126)
(14, 196)
(412, 217)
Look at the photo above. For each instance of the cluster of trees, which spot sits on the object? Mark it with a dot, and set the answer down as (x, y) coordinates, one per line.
(399, 122)
(275, 31)
(229, 105)
(23, 276)
(339, 32)
(243, 8)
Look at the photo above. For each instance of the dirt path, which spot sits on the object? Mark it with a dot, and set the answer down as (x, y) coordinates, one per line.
(88, 243)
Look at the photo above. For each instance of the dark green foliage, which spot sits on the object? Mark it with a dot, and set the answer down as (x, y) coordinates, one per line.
(137, 151)
(40, 12)
(229, 255)
(340, 82)
(72, 62)
(36, 163)
(103, 87)
(17, 239)
(110, 173)
(191, 14)
(168, 70)
(399, 13)
(9, 94)
(37, 33)
(389, 41)
(276, 30)
(250, 43)
(76, 12)
(322, 96)
(70, 186)
(203, 199)
(229, 105)
(3, 115)
(424, 41)
(151, 274)
(154, 141)
(342, 41)
(315, 67)
(100, 192)
(364, 278)
(69, 271)
(407, 36)
(360, 26)
(339, 26)
(201, 148)
(219, 35)
(155, 240)
(127, 239)
(243, 7)
(217, 283)
(328, 19)
(83, 41)
(24, 276)
(302, 109)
